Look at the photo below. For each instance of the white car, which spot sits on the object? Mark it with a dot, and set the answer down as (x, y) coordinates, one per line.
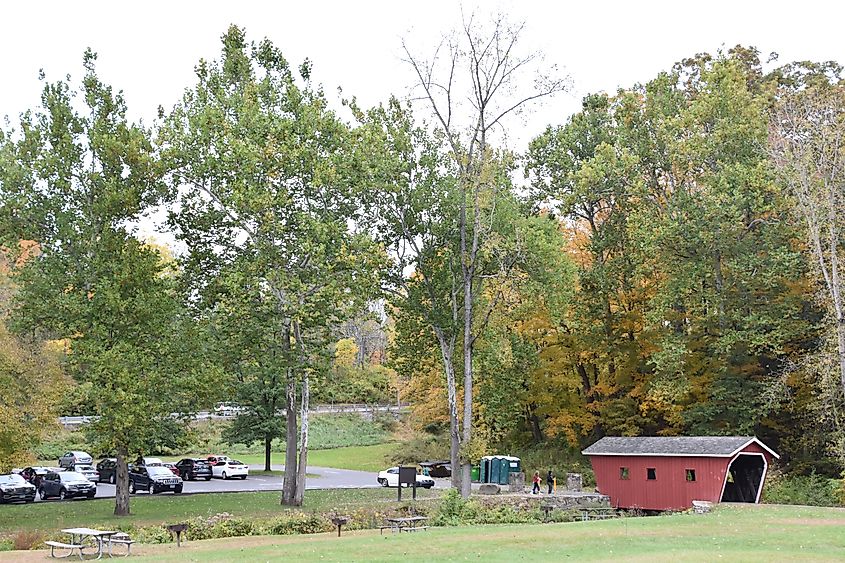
(224, 467)
(390, 478)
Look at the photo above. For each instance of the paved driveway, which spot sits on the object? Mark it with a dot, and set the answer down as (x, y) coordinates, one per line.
(326, 478)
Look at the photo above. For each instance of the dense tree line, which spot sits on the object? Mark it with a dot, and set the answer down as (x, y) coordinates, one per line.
(666, 261)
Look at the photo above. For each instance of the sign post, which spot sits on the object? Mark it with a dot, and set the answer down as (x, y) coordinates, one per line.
(407, 476)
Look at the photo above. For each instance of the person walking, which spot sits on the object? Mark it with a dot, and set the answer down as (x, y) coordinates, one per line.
(550, 481)
(536, 488)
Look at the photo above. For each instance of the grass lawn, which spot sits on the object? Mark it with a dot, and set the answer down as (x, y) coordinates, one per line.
(731, 533)
(362, 458)
(49, 516)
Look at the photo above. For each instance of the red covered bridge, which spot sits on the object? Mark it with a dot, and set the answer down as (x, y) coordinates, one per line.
(668, 473)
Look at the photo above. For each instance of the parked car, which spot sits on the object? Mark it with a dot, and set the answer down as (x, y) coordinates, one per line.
(390, 478)
(216, 459)
(72, 458)
(87, 470)
(148, 461)
(107, 470)
(190, 469)
(153, 478)
(35, 474)
(66, 484)
(14, 487)
(224, 467)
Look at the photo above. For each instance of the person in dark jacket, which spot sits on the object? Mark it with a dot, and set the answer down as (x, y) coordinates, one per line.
(550, 481)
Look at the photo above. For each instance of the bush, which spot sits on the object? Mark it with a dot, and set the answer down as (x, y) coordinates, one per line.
(56, 447)
(811, 490)
(420, 448)
(298, 523)
(27, 539)
(456, 511)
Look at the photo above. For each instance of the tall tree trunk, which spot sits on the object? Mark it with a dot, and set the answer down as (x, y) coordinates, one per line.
(468, 260)
(720, 285)
(303, 443)
(446, 351)
(289, 483)
(466, 464)
(836, 292)
(121, 479)
(268, 440)
(534, 420)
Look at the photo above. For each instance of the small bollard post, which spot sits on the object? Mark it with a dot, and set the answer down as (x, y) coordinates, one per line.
(177, 529)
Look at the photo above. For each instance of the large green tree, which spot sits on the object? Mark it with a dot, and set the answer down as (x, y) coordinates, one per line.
(73, 178)
(267, 198)
(691, 295)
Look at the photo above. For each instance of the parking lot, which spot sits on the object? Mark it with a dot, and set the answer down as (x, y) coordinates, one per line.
(325, 478)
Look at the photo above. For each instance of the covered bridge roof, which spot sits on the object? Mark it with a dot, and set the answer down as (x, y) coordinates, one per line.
(690, 446)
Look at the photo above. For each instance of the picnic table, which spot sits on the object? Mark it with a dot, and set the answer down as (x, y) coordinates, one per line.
(597, 513)
(406, 524)
(85, 538)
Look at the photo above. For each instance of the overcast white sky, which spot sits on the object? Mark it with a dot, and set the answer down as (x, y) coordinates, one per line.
(148, 49)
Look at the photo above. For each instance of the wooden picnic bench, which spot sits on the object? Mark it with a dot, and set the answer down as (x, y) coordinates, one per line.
(408, 524)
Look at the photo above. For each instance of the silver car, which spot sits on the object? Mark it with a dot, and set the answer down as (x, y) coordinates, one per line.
(75, 457)
(87, 470)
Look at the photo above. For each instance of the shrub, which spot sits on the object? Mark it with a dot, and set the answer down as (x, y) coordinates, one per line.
(812, 490)
(65, 441)
(298, 523)
(27, 539)
(152, 534)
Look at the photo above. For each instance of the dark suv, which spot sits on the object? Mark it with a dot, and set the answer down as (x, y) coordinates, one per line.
(66, 484)
(107, 470)
(191, 469)
(154, 478)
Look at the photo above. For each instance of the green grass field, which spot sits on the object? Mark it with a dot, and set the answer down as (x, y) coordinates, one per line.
(155, 510)
(731, 533)
(362, 458)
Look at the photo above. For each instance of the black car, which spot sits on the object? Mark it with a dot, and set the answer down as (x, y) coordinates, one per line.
(190, 469)
(155, 479)
(14, 487)
(107, 470)
(66, 484)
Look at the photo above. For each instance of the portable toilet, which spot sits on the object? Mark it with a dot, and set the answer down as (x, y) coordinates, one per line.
(484, 468)
(495, 469)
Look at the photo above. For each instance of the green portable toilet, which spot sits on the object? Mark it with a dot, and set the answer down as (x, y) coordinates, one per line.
(484, 477)
(495, 470)
(507, 465)
(474, 474)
